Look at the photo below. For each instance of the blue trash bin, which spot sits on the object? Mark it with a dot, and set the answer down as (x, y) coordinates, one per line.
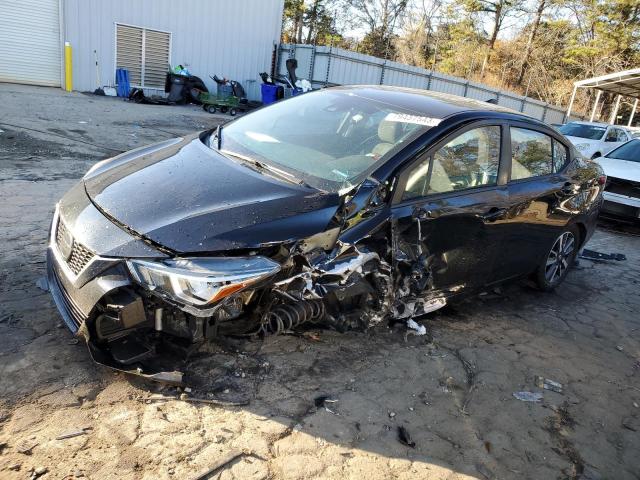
(269, 93)
(122, 82)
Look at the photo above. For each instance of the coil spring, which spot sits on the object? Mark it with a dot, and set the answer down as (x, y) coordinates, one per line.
(288, 316)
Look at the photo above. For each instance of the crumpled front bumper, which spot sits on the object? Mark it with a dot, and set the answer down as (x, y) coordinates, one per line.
(76, 295)
(76, 304)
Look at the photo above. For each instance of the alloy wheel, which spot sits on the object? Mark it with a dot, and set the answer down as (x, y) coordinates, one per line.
(559, 257)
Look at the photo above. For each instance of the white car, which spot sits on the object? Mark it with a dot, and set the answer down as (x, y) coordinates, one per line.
(622, 191)
(594, 140)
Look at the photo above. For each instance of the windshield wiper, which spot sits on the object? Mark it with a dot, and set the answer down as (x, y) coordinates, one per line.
(268, 168)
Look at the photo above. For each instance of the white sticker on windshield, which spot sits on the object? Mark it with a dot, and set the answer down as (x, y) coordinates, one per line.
(417, 119)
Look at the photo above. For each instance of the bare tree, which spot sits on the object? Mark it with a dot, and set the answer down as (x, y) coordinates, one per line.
(379, 15)
(497, 10)
(542, 4)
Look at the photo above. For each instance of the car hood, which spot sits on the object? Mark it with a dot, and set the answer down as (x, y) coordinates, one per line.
(624, 169)
(185, 196)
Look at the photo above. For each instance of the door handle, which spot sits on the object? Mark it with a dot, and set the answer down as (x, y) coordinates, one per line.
(494, 214)
(570, 188)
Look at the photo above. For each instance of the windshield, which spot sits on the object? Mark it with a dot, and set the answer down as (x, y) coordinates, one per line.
(580, 130)
(630, 151)
(329, 139)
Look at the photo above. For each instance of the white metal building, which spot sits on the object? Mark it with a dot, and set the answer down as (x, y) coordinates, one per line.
(230, 38)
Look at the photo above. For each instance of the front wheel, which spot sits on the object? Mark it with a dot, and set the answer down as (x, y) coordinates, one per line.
(211, 108)
(560, 257)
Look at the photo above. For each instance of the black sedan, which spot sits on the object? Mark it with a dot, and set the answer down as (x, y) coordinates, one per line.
(347, 207)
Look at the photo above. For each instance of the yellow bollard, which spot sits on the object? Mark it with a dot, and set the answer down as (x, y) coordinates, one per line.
(68, 67)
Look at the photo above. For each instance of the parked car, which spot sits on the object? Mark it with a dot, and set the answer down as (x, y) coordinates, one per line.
(594, 139)
(346, 206)
(622, 191)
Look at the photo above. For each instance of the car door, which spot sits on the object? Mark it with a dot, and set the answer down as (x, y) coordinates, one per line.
(447, 210)
(538, 190)
(611, 140)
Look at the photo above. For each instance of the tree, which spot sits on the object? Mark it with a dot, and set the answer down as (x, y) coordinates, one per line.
(380, 18)
(533, 29)
(293, 21)
(497, 10)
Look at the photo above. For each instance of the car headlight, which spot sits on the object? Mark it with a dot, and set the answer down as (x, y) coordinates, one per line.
(201, 281)
(582, 146)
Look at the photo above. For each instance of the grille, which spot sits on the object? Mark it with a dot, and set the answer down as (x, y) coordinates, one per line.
(623, 187)
(80, 255)
(70, 307)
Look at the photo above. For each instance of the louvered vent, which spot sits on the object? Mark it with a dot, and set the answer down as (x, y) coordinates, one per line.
(145, 53)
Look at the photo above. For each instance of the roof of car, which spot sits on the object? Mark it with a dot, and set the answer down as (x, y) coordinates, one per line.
(425, 102)
(598, 124)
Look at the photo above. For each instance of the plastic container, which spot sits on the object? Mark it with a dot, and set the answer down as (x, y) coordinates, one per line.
(269, 93)
(225, 91)
(292, 92)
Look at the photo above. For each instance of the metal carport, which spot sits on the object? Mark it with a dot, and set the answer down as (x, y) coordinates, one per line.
(623, 84)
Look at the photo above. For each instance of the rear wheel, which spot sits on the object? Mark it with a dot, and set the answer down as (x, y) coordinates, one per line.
(232, 112)
(223, 109)
(560, 257)
(211, 108)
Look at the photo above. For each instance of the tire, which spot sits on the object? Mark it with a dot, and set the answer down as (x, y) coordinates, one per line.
(596, 155)
(559, 259)
(211, 109)
(233, 112)
(223, 109)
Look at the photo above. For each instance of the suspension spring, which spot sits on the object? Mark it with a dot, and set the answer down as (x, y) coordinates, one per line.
(287, 316)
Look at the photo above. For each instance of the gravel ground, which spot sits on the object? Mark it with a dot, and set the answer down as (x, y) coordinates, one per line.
(451, 390)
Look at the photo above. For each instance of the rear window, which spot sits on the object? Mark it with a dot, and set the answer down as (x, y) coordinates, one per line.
(590, 132)
(630, 152)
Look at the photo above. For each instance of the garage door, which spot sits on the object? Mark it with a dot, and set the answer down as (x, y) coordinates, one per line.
(30, 48)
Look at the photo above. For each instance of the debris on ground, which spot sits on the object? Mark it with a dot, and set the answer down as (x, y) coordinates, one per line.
(321, 402)
(224, 462)
(186, 398)
(593, 255)
(405, 438)
(38, 472)
(26, 447)
(42, 284)
(620, 348)
(528, 396)
(419, 329)
(548, 384)
(75, 433)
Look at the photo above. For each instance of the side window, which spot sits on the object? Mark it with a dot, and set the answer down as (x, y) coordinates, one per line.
(468, 161)
(417, 182)
(612, 136)
(531, 154)
(560, 156)
(622, 136)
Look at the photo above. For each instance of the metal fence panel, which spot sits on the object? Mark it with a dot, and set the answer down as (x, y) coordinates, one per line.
(335, 66)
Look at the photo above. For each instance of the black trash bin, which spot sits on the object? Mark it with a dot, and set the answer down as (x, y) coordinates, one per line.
(176, 88)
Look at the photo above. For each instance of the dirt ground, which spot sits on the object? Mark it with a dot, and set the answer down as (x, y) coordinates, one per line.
(452, 390)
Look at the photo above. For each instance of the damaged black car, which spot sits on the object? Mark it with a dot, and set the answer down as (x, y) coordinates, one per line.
(344, 207)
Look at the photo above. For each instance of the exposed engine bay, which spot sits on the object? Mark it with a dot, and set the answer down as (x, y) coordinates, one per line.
(319, 281)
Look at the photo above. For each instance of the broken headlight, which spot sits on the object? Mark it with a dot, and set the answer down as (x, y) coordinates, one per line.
(201, 281)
